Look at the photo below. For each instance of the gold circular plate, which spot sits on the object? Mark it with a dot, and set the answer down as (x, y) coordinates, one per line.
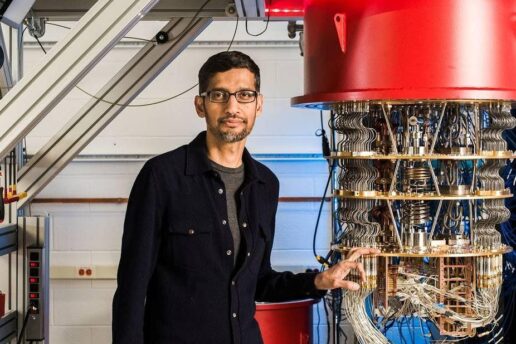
(420, 197)
(374, 156)
(448, 253)
(443, 253)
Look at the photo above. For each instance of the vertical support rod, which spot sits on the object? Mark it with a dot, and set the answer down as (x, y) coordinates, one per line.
(434, 178)
(398, 239)
(434, 222)
(391, 134)
(394, 176)
(438, 129)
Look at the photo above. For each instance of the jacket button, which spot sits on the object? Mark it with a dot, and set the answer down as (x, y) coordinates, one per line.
(220, 191)
(234, 315)
(233, 283)
(244, 224)
(191, 231)
(224, 222)
(228, 252)
(248, 254)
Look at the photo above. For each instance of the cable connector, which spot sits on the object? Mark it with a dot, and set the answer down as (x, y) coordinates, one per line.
(321, 260)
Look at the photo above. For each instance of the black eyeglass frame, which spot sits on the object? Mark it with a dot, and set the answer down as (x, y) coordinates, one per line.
(229, 94)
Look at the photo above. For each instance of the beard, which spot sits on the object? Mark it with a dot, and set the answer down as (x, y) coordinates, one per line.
(231, 135)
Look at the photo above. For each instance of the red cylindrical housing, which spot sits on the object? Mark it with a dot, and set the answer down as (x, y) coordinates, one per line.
(408, 50)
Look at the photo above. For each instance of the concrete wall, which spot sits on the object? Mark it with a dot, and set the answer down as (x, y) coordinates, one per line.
(90, 234)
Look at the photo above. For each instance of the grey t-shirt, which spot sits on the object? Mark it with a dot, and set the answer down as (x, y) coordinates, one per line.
(232, 179)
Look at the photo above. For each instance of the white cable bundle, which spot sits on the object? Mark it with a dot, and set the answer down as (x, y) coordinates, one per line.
(353, 306)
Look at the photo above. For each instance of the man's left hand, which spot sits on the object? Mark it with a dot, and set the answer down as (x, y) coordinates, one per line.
(334, 277)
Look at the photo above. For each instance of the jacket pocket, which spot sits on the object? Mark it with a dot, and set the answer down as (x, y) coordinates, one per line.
(188, 245)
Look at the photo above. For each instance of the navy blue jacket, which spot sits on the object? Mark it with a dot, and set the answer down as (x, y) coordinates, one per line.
(177, 282)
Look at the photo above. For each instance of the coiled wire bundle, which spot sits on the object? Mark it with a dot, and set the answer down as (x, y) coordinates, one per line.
(357, 228)
(356, 175)
(348, 122)
(497, 119)
(493, 212)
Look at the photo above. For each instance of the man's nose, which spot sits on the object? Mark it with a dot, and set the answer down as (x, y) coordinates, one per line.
(232, 104)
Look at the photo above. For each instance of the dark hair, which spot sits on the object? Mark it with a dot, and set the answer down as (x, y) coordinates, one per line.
(223, 62)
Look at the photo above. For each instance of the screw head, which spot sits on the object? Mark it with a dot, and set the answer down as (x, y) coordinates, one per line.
(230, 10)
(161, 37)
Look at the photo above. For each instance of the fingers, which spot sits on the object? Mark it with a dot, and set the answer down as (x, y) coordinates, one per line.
(348, 285)
(361, 271)
(334, 277)
(356, 252)
(345, 266)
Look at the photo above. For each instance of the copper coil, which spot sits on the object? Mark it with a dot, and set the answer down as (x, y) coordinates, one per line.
(415, 213)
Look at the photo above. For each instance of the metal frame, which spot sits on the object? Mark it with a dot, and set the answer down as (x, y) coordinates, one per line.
(93, 36)
(164, 10)
(8, 327)
(95, 115)
(6, 80)
(7, 238)
(8, 244)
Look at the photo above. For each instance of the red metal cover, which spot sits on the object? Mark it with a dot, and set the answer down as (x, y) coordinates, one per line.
(409, 49)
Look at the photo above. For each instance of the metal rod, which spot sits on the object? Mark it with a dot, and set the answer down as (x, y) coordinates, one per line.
(438, 129)
(391, 134)
(394, 176)
(472, 221)
(474, 177)
(434, 223)
(434, 178)
(395, 226)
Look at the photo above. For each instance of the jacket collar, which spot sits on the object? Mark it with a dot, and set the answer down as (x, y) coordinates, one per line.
(197, 161)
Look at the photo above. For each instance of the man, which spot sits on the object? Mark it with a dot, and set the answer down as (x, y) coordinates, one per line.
(199, 228)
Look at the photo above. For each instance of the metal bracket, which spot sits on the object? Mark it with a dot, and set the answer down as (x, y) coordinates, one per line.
(36, 26)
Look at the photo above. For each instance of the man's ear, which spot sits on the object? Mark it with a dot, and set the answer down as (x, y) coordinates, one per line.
(259, 105)
(199, 106)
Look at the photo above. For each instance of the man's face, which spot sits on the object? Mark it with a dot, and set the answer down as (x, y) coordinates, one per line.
(230, 121)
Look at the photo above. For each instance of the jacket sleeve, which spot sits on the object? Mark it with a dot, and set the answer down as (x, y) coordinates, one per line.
(140, 244)
(276, 286)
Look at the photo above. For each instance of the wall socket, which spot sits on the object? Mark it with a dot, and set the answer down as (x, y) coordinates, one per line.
(85, 272)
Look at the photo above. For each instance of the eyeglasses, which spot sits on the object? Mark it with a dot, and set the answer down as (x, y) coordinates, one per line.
(222, 96)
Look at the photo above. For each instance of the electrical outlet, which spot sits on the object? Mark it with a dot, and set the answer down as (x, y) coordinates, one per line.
(85, 272)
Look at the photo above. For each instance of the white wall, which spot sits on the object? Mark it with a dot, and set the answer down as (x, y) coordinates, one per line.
(90, 234)
(158, 128)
